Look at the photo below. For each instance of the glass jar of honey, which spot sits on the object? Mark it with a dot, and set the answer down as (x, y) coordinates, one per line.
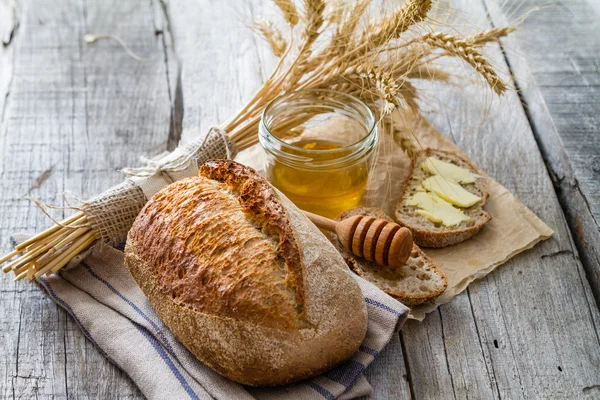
(318, 146)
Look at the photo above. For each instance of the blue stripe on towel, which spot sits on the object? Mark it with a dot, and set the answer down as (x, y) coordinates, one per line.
(46, 285)
(135, 308)
(347, 373)
(144, 332)
(368, 350)
(163, 354)
(382, 306)
(321, 390)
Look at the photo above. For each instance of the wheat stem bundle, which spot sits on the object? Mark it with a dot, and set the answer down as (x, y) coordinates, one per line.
(330, 46)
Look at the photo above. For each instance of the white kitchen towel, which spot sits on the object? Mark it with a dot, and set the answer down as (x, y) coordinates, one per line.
(113, 313)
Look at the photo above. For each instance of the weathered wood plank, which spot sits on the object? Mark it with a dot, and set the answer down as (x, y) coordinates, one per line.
(9, 22)
(534, 314)
(388, 375)
(10, 13)
(223, 62)
(446, 356)
(558, 75)
(500, 339)
(76, 114)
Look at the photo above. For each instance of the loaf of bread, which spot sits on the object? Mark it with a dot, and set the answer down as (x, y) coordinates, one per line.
(243, 279)
(431, 234)
(417, 281)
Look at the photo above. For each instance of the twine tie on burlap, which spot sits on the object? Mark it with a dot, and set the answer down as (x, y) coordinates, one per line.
(112, 213)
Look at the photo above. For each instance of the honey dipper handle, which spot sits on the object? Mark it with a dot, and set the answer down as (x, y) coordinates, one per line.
(321, 222)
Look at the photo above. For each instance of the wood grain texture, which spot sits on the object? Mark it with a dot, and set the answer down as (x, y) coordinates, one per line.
(535, 313)
(10, 14)
(223, 62)
(454, 355)
(76, 114)
(555, 62)
(388, 375)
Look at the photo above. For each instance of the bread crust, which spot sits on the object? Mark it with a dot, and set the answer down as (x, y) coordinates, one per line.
(371, 271)
(449, 236)
(270, 345)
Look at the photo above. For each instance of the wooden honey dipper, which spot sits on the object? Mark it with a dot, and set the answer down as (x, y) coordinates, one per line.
(374, 239)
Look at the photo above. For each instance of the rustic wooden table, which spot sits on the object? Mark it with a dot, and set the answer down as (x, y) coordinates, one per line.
(73, 114)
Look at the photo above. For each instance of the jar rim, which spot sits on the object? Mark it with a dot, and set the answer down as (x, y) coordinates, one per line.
(372, 124)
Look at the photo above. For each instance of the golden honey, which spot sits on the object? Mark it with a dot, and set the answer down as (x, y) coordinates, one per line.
(322, 192)
(321, 164)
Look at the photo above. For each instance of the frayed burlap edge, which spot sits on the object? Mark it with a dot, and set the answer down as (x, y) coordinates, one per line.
(112, 213)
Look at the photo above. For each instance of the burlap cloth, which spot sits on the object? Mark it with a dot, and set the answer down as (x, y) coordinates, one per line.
(112, 212)
(513, 228)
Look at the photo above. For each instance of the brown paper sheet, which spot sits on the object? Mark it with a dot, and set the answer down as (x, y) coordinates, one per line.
(513, 228)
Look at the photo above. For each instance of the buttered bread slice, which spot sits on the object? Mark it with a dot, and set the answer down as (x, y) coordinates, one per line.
(415, 282)
(443, 199)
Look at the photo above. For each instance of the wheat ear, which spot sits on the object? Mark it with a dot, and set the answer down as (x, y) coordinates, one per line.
(341, 37)
(313, 20)
(490, 35)
(313, 16)
(459, 47)
(428, 72)
(390, 27)
(385, 86)
(288, 9)
(343, 34)
(272, 35)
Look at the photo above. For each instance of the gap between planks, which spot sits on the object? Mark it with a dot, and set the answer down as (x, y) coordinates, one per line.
(583, 225)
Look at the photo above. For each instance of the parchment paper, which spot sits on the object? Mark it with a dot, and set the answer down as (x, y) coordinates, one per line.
(513, 228)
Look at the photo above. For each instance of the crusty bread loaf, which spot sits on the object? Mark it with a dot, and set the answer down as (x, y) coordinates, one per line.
(243, 279)
(430, 234)
(417, 281)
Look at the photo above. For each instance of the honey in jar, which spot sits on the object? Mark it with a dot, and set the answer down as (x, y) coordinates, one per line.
(318, 147)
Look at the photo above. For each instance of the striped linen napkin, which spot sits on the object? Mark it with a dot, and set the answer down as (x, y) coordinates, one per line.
(113, 313)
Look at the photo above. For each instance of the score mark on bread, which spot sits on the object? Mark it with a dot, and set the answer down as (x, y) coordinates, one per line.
(236, 249)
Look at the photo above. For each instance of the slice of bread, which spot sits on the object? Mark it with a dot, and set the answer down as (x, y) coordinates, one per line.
(417, 281)
(431, 234)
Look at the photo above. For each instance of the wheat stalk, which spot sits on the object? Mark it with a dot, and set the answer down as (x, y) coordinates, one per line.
(313, 17)
(461, 48)
(288, 9)
(272, 35)
(343, 34)
(335, 11)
